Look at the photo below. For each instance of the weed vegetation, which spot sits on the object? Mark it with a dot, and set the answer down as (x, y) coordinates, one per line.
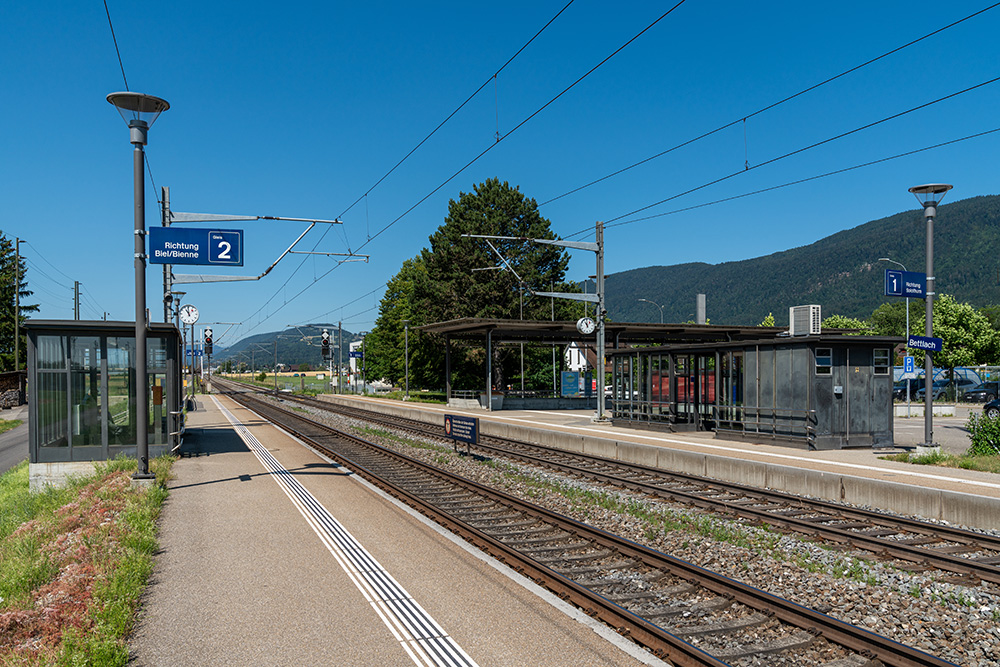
(8, 424)
(983, 454)
(73, 562)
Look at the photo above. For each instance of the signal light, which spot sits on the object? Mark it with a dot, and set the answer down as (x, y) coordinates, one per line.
(208, 342)
(326, 344)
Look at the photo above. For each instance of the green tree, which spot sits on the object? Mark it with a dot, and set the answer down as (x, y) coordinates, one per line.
(842, 322)
(969, 337)
(440, 285)
(11, 269)
(768, 321)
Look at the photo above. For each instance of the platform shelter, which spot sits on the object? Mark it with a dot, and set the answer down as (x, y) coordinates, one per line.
(820, 391)
(81, 394)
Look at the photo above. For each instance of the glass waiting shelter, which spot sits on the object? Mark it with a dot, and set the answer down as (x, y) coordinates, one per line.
(81, 390)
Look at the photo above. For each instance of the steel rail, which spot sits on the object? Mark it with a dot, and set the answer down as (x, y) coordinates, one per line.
(881, 547)
(857, 639)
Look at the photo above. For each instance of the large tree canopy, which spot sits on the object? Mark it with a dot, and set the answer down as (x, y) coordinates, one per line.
(441, 284)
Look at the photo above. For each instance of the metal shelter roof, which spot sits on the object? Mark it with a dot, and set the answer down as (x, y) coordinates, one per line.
(617, 333)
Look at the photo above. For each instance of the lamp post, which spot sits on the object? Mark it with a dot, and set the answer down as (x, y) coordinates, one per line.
(364, 365)
(907, 333)
(143, 111)
(657, 305)
(406, 339)
(929, 196)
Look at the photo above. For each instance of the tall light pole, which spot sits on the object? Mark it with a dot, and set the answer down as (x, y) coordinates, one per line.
(143, 111)
(657, 305)
(929, 196)
(907, 333)
(364, 365)
(406, 339)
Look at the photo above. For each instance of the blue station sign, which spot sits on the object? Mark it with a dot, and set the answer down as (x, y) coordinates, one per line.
(925, 343)
(905, 283)
(176, 245)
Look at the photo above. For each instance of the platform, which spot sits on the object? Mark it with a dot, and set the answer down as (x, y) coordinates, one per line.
(253, 570)
(857, 476)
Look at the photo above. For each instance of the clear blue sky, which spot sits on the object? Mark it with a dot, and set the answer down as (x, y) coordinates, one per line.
(298, 109)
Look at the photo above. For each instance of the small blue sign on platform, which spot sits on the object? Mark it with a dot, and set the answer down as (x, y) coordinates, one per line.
(924, 343)
(905, 283)
(357, 354)
(462, 429)
(908, 366)
(176, 245)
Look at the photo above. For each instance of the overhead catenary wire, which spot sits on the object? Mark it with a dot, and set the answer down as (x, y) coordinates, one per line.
(768, 107)
(790, 154)
(477, 158)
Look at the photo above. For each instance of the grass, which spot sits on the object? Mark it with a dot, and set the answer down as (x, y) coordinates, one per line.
(73, 562)
(984, 463)
(8, 424)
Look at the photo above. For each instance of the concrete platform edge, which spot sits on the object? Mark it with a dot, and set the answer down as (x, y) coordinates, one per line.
(609, 635)
(940, 505)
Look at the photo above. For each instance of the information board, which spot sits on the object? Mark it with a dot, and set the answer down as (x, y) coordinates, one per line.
(925, 343)
(905, 283)
(176, 245)
(461, 428)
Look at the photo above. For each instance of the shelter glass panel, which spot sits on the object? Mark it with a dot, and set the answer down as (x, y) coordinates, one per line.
(51, 401)
(85, 382)
(121, 391)
(51, 352)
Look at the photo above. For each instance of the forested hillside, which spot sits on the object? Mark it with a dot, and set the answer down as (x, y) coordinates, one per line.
(840, 272)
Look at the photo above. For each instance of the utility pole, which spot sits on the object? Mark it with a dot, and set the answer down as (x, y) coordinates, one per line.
(17, 304)
(340, 356)
(76, 299)
(167, 268)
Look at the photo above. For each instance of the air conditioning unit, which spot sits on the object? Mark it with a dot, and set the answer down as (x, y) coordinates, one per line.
(804, 320)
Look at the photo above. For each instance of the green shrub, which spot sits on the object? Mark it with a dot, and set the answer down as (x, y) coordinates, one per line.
(985, 434)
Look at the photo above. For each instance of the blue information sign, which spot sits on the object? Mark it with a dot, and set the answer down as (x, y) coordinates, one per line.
(463, 429)
(905, 283)
(176, 245)
(924, 343)
(356, 354)
(908, 366)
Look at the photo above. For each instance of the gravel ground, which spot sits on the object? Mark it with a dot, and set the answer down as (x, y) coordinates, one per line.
(957, 623)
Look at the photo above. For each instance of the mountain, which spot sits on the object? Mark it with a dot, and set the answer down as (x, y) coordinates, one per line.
(841, 272)
(295, 347)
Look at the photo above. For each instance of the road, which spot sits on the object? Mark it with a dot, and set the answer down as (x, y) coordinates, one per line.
(14, 443)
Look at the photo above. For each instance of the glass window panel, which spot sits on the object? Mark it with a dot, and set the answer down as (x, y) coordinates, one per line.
(156, 354)
(824, 361)
(51, 352)
(121, 391)
(881, 362)
(85, 380)
(51, 398)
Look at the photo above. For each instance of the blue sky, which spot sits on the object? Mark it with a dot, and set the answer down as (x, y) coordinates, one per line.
(298, 109)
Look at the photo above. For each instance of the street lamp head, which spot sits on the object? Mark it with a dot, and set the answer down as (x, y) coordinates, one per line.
(930, 195)
(142, 112)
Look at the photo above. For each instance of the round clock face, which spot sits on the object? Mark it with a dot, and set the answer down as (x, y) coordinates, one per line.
(585, 325)
(189, 314)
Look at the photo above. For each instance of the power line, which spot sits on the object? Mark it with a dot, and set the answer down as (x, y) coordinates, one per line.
(412, 151)
(115, 40)
(793, 153)
(743, 119)
(808, 179)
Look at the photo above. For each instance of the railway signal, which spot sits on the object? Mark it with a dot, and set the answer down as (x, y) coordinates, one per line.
(326, 344)
(208, 342)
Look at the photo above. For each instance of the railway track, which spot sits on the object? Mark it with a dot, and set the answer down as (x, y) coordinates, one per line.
(683, 613)
(969, 557)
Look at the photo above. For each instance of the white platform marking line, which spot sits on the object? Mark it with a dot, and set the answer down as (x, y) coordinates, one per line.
(418, 633)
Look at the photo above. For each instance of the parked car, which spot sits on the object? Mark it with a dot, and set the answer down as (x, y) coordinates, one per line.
(992, 409)
(983, 392)
(899, 389)
(947, 389)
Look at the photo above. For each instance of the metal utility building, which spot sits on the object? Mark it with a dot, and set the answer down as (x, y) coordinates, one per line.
(818, 391)
(81, 394)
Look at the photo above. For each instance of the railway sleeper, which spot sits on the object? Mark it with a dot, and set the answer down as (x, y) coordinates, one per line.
(703, 608)
(520, 542)
(590, 569)
(557, 548)
(575, 559)
(796, 640)
(722, 627)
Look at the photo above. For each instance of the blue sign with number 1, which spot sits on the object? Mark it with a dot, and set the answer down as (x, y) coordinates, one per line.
(905, 283)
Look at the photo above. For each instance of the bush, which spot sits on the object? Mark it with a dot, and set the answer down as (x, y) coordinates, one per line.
(985, 434)
(262, 376)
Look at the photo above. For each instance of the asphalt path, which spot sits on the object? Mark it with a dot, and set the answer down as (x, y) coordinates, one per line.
(14, 443)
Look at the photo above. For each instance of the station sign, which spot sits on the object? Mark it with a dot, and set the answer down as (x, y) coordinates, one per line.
(357, 354)
(925, 343)
(176, 245)
(462, 429)
(905, 283)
